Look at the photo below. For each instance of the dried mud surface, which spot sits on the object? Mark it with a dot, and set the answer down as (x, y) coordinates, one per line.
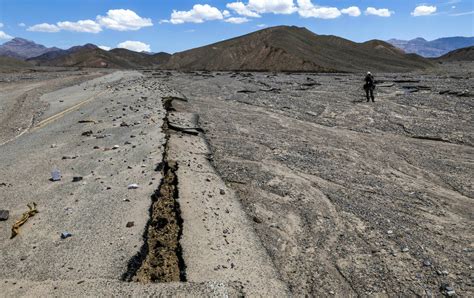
(348, 197)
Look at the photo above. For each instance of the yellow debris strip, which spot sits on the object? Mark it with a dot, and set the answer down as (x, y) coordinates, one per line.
(24, 218)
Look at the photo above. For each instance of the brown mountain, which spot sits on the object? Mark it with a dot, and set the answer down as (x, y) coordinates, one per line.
(8, 64)
(286, 48)
(464, 54)
(91, 56)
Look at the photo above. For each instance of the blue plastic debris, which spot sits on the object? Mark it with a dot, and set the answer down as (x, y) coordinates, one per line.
(55, 175)
(65, 235)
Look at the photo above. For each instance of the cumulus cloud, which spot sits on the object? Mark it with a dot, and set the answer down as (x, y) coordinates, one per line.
(352, 11)
(423, 10)
(236, 20)
(272, 6)
(381, 12)
(105, 48)
(44, 27)
(116, 19)
(308, 10)
(3, 35)
(88, 26)
(242, 9)
(198, 14)
(136, 46)
(123, 20)
(22, 24)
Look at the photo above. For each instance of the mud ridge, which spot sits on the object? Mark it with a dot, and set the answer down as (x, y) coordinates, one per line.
(160, 258)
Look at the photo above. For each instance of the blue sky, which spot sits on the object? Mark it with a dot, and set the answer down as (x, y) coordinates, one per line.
(172, 25)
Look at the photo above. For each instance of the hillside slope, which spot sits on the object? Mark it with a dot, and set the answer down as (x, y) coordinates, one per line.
(88, 56)
(464, 54)
(286, 48)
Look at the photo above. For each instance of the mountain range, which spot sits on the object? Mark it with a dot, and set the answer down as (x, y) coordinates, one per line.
(434, 48)
(20, 48)
(281, 48)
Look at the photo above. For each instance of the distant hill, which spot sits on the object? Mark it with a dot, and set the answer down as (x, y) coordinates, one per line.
(20, 48)
(464, 54)
(11, 64)
(285, 48)
(59, 53)
(434, 48)
(92, 56)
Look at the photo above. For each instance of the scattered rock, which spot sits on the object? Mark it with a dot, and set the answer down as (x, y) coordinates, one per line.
(427, 263)
(87, 133)
(87, 121)
(130, 224)
(65, 235)
(447, 290)
(222, 192)
(115, 147)
(76, 179)
(4, 214)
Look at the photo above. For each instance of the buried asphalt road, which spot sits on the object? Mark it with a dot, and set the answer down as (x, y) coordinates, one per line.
(103, 136)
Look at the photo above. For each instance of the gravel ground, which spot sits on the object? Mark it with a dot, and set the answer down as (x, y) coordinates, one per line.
(348, 197)
(293, 183)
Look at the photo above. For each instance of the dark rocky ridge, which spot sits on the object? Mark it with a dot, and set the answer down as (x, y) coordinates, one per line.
(285, 48)
(92, 56)
(464, 54)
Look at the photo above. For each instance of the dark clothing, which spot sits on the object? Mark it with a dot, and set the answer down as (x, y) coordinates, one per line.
(369, 87)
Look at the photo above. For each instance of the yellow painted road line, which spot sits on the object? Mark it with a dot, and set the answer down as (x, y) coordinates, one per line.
(61, 114)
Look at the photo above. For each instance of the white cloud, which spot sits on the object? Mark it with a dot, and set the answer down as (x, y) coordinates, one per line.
(242, 9)
(381, 12)
(3, 35)
(44, 27)
(88, 26)
(235, 20)
(226, 13)
(309, 10)
(105, 48)
(123, 20)
(353, 11)
(262, 25)
(423, 10)
(272, 6)
(136, 46)
(198, 14)
(22, 24)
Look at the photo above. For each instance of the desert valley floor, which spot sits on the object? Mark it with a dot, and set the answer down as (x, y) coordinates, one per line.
(246, 183)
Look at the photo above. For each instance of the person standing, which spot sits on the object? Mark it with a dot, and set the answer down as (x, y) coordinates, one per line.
(369, 86)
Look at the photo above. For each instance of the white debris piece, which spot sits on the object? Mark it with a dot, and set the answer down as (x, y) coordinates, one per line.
(132, 186)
